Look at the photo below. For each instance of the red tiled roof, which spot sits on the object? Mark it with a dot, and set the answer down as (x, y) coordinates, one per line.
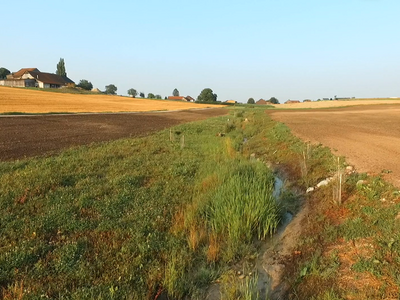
(50, 78)
(176, 98)
(23, 71)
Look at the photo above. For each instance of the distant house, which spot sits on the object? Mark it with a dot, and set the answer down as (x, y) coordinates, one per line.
(231, 101)
(32, 77)
(187, 98)
(263, 102)
(307, 100)
(292, 101)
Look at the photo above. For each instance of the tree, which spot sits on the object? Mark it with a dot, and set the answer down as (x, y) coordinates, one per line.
(61, 68)
(251, 101)
(132, 92)
(151, 96)
(273, 100)
(175, 93)
(141, 95)
(86, 85)
(207, 95)
(158, 96)
(4, 72)
(111, 89)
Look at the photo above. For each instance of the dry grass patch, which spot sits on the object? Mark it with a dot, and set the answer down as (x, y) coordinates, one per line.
(32, 101)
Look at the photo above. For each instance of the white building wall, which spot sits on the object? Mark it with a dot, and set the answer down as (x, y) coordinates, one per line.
(27, 76)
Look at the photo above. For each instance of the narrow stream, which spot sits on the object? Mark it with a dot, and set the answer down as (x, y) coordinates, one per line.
(267, 247)
(265, 259)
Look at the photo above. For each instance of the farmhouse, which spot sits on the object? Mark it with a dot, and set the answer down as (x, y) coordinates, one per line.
(187, 98)
(231, 101)
(263, 102)
(292, 101)
(32, 77)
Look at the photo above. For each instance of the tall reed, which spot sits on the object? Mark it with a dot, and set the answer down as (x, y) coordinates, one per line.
(243, 207)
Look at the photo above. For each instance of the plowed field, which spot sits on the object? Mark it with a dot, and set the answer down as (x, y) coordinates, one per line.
(33, 101)
(368, 136)
(27, 136)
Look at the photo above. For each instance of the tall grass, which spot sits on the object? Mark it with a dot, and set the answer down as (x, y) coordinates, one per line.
(243, 206)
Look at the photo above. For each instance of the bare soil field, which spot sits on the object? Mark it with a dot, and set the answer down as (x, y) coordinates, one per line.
(339, 103)
(27, 136)
(368, 136)
(33, 101)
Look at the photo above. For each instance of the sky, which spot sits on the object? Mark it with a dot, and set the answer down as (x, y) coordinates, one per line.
(288, 49)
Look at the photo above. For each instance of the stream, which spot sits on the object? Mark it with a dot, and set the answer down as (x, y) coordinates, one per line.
(267, 268)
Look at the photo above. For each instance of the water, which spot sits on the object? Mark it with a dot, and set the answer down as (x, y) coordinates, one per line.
(267, 249)
(278, 186)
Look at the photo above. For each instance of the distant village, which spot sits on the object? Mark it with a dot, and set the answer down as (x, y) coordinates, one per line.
(33, 77)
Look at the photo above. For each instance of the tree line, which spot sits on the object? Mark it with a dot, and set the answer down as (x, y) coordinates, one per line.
(207, 95)
(272, 100)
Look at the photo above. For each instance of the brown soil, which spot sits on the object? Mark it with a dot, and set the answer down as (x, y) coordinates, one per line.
(368, 136)
(27, 136)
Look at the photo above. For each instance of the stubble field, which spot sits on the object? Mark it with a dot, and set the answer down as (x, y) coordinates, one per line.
(32, 101)
(339, 103)
(368, 136)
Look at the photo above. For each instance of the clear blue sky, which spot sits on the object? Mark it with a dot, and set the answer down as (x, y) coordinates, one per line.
(288, 49)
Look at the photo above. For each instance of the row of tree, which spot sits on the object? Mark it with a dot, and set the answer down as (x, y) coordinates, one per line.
(207, 95)
(133, 93)
(272, 100)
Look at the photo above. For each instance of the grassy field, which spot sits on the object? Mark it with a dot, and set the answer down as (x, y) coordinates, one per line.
(34, 101)
(170, 213)
(135, 218)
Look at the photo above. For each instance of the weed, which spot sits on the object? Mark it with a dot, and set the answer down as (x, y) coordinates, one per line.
(229, 126)
(238, 114)
(369, 265)
(244, 287)
(328, 295)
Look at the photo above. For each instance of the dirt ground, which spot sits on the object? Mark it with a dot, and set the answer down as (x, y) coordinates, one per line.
(27, 136)
(368, 136)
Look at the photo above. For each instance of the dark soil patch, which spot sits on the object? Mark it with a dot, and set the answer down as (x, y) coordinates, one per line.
(28, 136)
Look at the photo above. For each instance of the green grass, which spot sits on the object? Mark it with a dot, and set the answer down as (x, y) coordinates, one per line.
(368, 233)
(103, 221)
(141, 218)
